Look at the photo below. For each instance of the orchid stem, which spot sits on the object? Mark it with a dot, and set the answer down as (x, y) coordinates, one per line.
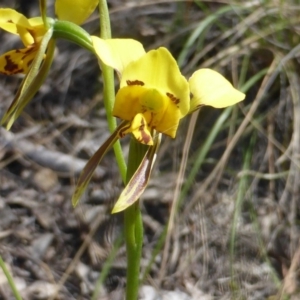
(133, 225)
(43, 9)
(109, 87)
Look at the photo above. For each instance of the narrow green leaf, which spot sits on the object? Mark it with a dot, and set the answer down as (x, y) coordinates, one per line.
(94, 161)
(139, 181)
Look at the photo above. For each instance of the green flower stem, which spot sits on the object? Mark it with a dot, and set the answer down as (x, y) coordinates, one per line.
(10, 280)
(133, 225)
(43, 9)
(109, 87)
(69, 31)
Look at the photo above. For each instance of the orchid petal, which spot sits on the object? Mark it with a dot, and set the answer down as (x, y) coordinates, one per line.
(76, 11)
(33, 79)
(139, 181)
(39, 28)
(209, 87)
(16, 23)
(90, 167)
(17, 61)
(169, 122)
(11, 19)
(158, 69)
(140, 129)
(118, 53)
(127, 103)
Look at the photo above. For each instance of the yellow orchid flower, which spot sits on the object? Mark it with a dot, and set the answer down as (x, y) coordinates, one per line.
(153, 94)
(37, 38)
(31, 32)
(153, 97)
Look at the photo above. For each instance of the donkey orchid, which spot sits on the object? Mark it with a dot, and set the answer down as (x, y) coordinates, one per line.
(38, 36)
(153, 97)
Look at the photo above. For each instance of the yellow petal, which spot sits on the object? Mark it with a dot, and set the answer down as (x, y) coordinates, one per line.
(17, 61)
(76, 11)
(153, 101)
(9, 19)
(209, 87)
(36, 22)
(33, 80)
(140, 129)
(16, 23)
(158, 69)
(38, 26)
(127, 103)
(169, 121)
(162, 113)
(118, 53)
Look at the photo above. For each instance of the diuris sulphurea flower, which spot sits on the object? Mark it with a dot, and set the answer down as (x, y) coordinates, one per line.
(152, 99)
(38, 36)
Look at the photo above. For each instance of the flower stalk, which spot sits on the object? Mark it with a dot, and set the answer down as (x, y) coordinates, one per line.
(109, 87)
(133, 226)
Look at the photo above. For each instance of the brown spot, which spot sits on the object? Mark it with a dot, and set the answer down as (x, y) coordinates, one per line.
(137, 183)
(29, 62)
(173, 98)
(11, 67)
(135, 82)
(145, 137)
(122, 131)
(29, 49)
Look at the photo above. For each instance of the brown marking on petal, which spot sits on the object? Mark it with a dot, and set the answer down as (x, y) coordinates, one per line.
(122, 131)
(173, 98)
(29, 62)
(137, 183)
(11, 67)
(135, 82)
(145, 137)
(29, 50)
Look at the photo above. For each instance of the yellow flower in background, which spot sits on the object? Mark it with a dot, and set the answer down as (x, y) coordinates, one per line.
(153, 94)
(31, 32)
(34, 60)
(75, 11)
(153, 97)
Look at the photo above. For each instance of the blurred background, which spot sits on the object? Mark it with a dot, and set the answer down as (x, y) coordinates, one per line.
(230, 180)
